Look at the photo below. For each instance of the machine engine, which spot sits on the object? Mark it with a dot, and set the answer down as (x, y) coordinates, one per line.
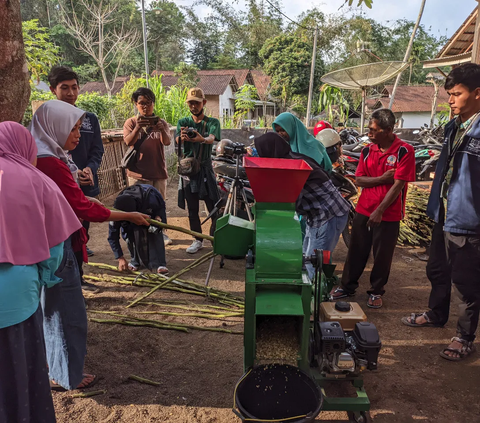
(338, 353)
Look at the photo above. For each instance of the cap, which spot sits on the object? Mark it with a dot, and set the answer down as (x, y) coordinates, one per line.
(195, 94)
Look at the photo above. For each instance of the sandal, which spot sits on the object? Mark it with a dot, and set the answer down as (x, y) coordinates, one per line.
(54, 386)
(412, 321)
(467, 349)
(162, 270)
(337, 293)
(372, 298)
(132, 267)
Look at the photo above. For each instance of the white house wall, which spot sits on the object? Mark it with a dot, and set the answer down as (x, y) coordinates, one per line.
(415, 119)
(226, 102)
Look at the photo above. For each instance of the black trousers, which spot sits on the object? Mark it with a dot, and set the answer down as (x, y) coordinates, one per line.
(193, 206)
(463, 253)
(439, 273)
(383, 239)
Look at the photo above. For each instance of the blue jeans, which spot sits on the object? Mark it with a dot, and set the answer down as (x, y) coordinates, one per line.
(324, 237)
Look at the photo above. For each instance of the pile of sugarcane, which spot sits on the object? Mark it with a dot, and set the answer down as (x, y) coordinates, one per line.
(416, 227)
(230, 305)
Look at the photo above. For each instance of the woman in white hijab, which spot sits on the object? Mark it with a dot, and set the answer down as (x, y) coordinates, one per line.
(56, 129)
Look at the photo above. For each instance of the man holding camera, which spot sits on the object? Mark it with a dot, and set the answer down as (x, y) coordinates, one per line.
(150, 135)
(197, 134)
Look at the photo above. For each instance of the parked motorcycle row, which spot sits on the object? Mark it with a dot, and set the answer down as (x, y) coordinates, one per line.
(344, 150)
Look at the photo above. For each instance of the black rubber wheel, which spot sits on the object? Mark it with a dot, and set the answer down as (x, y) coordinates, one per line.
(359, 417)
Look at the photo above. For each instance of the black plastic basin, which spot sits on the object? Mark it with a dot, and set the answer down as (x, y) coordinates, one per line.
(278, 392)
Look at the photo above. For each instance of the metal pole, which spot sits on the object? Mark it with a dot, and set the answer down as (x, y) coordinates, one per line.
(312, 75)
(362, 117)
(476, 39)
(434, 105)
(145, 49)
(407, 53)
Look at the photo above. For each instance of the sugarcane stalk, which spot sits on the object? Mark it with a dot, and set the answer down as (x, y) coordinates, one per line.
(143, 380)
(157, 322)
(197, 262)
(135, 323)
(199, 315)
(174, 228)
(89, 394)
(194, 307)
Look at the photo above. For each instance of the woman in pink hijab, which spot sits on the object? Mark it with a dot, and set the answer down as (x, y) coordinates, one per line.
(35, 220)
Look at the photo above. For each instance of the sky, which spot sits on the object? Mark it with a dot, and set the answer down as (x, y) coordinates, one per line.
(443, 17)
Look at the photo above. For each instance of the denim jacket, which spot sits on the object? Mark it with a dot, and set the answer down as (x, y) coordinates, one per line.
(463, 200)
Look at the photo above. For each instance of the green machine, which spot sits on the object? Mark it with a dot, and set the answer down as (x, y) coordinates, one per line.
(289, 323)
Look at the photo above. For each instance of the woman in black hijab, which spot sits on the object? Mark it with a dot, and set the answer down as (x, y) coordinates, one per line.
(319, 202)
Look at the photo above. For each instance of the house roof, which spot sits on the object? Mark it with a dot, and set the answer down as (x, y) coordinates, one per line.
(409, 99)
(210, 84)
(462, 40)
(99, 87)
(459, 48)
(262, 83)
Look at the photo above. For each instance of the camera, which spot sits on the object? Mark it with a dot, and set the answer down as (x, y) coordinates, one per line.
(150, 120)
(239, 149)
(191, 132)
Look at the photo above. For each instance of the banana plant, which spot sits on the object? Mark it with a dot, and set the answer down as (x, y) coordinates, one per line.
(332, 101)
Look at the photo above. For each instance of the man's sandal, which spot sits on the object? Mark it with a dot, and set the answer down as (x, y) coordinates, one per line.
(467, 349)
(372, 298)
(338, 293)
(412, 321)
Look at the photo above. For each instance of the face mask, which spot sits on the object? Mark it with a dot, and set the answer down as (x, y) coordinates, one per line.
(198, 114)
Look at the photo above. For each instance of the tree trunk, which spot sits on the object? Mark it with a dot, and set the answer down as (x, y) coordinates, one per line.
(14, 76)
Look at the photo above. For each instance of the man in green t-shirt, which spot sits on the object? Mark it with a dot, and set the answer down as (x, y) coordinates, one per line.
(201, 186)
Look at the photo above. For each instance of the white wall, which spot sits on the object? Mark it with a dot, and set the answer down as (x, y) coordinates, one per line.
(226, 102)
(415, 119)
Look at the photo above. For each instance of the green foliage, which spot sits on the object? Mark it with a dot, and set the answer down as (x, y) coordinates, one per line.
(41, 53)
(87, 72)
(333, 102)
(443, 116)
(187, 74)
(101, 105)
(34, 96)
(287, 61)
(169, 104)
(367, 3)
(245, 100)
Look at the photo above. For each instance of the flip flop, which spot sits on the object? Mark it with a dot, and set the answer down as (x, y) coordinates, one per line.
(373, 298)
(56, 387)
(411, 321)
(88, 385)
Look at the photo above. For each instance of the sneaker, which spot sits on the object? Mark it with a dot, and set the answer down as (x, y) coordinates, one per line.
(167, 240)
(195, 247)
(162, 270)
(90, 287)
(90, 253)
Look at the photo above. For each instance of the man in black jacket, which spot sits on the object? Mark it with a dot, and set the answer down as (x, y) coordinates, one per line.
(88, 155)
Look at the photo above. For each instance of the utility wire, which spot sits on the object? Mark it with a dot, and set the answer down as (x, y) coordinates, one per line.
(291, 20)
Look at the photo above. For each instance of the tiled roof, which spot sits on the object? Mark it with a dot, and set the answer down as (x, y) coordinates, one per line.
(99, 87)
(210, 84)
(410, 99)
(242, 76)
(262, 83)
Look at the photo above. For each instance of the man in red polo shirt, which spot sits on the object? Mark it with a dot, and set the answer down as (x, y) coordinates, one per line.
(384, 170)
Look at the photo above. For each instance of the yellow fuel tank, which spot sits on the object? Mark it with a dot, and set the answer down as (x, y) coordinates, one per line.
(347, 314)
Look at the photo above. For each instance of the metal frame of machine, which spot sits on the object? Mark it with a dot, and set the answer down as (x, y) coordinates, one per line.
(276, 284)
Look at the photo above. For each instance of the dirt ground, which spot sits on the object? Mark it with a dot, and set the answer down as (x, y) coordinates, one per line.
(197, 371)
